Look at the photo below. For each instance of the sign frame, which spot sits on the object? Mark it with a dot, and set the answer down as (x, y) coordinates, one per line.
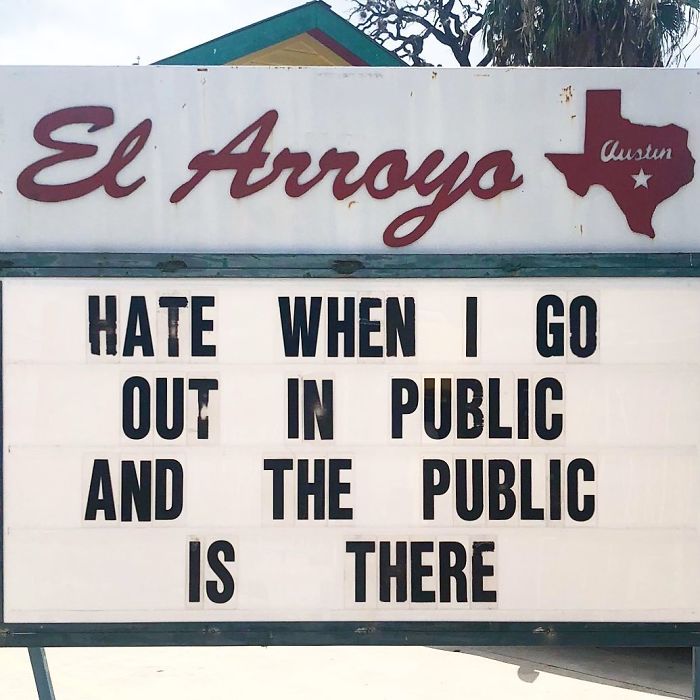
(343, 266)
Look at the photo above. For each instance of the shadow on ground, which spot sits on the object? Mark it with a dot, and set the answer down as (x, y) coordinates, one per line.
(660, 671)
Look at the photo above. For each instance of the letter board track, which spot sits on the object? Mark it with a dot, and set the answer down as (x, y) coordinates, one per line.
(379, 450)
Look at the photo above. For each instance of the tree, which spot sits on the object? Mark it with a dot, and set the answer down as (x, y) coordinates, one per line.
(588, 32)
(535, 32)
(403, 26)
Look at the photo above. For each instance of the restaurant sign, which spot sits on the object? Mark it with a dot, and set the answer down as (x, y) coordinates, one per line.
(248, 160)
(349, 356)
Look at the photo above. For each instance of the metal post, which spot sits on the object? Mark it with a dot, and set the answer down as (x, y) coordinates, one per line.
(696, 673)
(42, 678)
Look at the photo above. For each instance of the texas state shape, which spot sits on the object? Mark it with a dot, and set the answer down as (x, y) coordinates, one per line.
(640, 165)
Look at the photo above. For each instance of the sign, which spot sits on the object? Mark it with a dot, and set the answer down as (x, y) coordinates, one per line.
(267, 450)
(349, 356)
(249, 160)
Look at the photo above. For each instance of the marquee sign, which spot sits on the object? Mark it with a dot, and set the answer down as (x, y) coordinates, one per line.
(247, 160)
(275, 380)
(248, 450)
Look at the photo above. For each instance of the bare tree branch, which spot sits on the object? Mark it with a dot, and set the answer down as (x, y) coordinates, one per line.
(404, 26)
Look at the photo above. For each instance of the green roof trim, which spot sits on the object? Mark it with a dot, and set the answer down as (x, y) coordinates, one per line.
(315, 15)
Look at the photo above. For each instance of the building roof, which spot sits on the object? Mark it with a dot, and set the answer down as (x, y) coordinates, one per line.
(311, 34)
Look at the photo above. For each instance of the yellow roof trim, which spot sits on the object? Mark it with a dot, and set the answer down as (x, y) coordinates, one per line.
(300, 50)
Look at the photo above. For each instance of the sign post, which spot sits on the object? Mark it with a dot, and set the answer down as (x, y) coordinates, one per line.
(42, 677)
(378, 397)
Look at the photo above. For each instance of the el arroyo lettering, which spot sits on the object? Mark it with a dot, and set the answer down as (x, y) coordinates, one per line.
(253, 169)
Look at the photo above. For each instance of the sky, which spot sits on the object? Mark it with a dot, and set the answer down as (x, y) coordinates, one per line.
(122, 32)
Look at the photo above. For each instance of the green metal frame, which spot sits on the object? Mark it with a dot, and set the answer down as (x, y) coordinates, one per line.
(171, 266)
(348, 265)
(42, 677)
(255, 37)
(359, 633)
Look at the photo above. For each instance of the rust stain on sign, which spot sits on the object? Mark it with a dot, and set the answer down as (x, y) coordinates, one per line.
(567, 94)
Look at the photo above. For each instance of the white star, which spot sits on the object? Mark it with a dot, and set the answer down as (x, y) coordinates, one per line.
(641, 179)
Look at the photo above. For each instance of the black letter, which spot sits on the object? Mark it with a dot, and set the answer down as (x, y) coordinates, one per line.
(138, 321)
(174, 468)
(398, 328)
(543, 386)
(587, 474)
(136, 490)
(302, 329)
(471, 327)
(432, 489)
(432, 430)
(469, 408)
(461, 491)
(292, 408)
(587, 348)
(449, 570)
(132, 431)
(527, 512)
(523, 409)
(555, 489)
(178, 403)
(496, 430)
(481, 570)
(419, 571)
(550, 336)
(100, 482)
(336, 487)
(504, 488)
(107, 324)
(195, 571)
(203, 387)
(315, 489)
(368, 326)
(336, 326)
(398, 407)
(216, 549)
(360, 550)
(278, 467)
(173, 304)
(199, 326)
(318, 410)
(387, 571)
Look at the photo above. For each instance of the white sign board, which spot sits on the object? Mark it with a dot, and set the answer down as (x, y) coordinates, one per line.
(165, 159)
(279, 450)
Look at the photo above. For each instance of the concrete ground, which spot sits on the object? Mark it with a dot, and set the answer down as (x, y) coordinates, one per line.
(340, 673)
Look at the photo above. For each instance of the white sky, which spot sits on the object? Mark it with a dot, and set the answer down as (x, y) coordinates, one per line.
(116, 32)
(100, 32)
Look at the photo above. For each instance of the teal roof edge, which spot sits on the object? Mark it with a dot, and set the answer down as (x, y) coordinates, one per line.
(267, 32)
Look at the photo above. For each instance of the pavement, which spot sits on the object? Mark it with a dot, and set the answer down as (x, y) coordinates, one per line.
(340, 673)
